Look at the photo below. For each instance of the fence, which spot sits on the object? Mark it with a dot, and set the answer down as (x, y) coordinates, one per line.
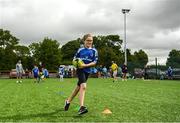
(152, 73)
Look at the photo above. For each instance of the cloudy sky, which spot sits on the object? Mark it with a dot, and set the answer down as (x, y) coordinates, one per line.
(152, 25)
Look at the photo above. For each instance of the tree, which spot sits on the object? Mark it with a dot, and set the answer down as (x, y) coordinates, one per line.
(22, 51)
(109, 49)
(35, 50)
(173, 58)
(7, 39)
(23, 54)
(137, 60)
(141, 58)
(48, 52)
(51, 55)
(8, 43)
(8, 59)
(68, 51)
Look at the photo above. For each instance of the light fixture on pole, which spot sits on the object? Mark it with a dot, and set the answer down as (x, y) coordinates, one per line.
(124, 11)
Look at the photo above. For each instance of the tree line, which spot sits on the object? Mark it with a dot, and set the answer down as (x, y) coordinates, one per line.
(52, 54)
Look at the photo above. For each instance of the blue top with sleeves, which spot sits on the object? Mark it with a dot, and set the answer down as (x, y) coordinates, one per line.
(35, 71)
(87, 55)
(61, 70)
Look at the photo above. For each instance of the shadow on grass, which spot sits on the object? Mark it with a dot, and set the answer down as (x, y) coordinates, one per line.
(51, 115)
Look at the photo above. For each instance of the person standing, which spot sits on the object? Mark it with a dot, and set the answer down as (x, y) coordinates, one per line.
(61, 73)
(19, 71)
(170, 73)
(124, 71)
(146, 72)
(89, 55)
(114, 69)
(104, 71)
(35, 72)
(45, 72)
(41, 75)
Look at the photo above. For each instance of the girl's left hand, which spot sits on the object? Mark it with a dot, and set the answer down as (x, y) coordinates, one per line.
(82, 66)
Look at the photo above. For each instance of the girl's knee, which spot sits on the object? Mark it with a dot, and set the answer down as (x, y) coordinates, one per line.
(83, 86)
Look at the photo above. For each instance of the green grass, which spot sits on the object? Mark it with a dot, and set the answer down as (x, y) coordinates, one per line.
(134, 100)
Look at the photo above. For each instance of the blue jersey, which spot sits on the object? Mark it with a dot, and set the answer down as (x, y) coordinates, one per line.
(61, 70)
(45, 72)
(35, 71)
(170, 71)
(87, 55)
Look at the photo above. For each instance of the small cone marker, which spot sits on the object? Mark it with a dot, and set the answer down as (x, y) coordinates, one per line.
(107, 111)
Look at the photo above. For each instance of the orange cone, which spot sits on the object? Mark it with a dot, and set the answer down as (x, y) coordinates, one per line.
(107, 111)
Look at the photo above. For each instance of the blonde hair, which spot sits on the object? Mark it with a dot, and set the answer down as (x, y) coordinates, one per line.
(86, 36)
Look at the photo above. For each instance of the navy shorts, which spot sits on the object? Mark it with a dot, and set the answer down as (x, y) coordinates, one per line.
(35, 76)
(82, 76)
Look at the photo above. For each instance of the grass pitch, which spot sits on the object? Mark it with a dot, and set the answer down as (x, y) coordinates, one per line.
(134, 100)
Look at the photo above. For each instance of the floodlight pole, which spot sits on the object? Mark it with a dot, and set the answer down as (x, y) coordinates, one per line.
(124, 11)
(156, 68)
